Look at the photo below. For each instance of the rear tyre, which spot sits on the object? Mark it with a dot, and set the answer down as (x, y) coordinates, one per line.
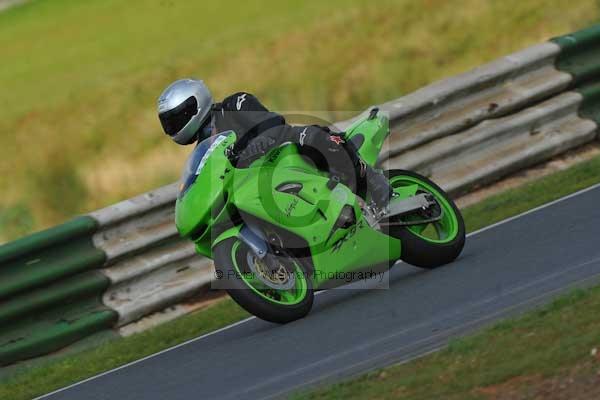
(232, 258)
(427, 245)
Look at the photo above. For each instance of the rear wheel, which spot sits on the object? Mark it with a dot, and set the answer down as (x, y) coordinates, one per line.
(432, 237)
(280, 293)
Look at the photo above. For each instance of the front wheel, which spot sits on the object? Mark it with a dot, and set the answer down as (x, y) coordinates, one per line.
(277, 295)
(430, 238)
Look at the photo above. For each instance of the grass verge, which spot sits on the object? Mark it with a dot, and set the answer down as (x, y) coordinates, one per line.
(533, 347)
(45, 378)
(456, 371)
(551, 341)
(530, 195)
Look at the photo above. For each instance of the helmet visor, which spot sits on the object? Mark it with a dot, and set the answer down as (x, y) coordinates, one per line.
(174, 120)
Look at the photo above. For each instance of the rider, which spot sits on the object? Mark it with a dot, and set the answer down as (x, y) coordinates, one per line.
(187, 114)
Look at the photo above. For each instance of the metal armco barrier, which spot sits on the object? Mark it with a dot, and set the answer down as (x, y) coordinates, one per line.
(117, 265)
(148, 265)
(50, 290)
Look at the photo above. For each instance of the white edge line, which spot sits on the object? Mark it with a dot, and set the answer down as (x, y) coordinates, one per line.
(553, 202)
(504, 221)
(147, 357)
(468, 328)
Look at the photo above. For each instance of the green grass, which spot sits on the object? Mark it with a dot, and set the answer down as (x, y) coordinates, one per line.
(79, 79)
(539, 344)
(530, 195)
(463, 357)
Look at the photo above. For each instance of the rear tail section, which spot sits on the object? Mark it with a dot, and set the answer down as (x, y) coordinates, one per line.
(368, 135)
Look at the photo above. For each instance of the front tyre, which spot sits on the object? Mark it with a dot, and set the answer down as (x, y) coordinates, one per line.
(426, 244)
(238, 268)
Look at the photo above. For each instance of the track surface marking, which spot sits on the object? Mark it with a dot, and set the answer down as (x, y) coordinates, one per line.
(504, 269)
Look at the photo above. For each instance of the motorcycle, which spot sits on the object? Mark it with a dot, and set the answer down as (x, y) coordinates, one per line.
(281, 229)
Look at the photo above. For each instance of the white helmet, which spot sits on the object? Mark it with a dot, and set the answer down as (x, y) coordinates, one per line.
(184, 110)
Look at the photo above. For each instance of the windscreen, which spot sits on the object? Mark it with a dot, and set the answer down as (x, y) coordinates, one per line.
(197, 160)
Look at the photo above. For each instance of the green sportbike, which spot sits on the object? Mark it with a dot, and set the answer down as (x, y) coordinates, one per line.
(281, 229)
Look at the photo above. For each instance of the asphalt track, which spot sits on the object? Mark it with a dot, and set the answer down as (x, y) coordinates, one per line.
(504, 269)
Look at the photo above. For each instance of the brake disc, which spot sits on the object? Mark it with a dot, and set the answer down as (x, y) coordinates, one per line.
(278, 278)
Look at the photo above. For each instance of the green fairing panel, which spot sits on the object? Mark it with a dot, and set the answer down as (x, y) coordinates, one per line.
(353, 249)
(311, 213)
(229, 233)
(194, 210)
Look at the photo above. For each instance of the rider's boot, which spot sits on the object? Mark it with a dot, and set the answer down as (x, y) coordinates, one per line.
(378, 186)
(344, 156)
(344, 161)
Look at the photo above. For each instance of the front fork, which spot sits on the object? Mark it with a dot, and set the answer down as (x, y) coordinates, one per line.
(253, 238)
